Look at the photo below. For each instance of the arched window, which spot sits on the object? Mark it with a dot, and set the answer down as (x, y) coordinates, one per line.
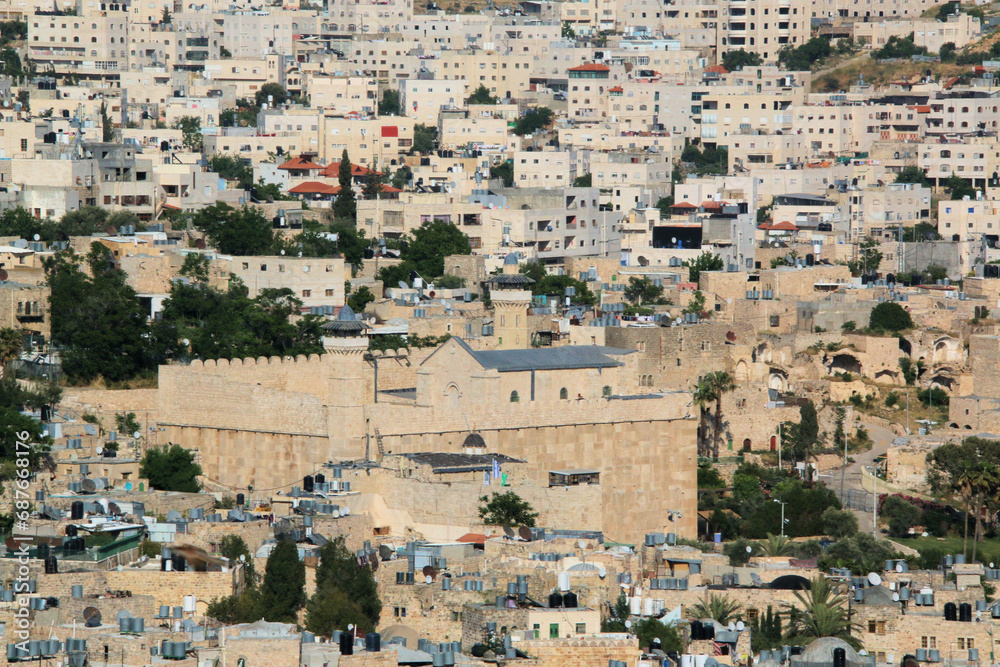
(563, 394)
(514, 398)
(606, 391)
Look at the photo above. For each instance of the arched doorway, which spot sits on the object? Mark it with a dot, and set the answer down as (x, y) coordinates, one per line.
(746, 444)
(774, 443)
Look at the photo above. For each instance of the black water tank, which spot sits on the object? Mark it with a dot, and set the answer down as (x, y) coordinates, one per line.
(71, 530)
(46, 413)
(51, 565)
(307, 484)
(839, 657)
(570, 600)
(43, 551)
(555, 600)
(179, 563)
(241, 500)
(950, 612)
(965, 612)
(708, 631)
(347, 644)
(76, 510)
(320, 478)
(696, 631)
(373, 642)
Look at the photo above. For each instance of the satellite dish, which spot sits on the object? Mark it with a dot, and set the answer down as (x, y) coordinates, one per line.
(243, 558)
(89, 486)
(732, 626)
(628, 624)
(174, 515)
(110, 230)
(508, 531)
(99, 450)
(899, 567)
(731, 336)
(524, 533)
(428, 579)
(37, 237)
(114, 509)
(136, 434)
(582, 544)
(991, 564)
(3, 274)
(403, 285)
(673, 239)
(749, 549)
(602, 573)
(862, 652)
(891, 658)
(895, 597)
(350, 626)
(874, 579)
(124, 613)
(429, 573)
(200, 244)
(121, 567)
(92, 617)
(740, 626)
(128, 486)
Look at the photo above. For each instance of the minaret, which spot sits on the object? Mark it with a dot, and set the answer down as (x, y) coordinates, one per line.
(345, 340)
(511, 295)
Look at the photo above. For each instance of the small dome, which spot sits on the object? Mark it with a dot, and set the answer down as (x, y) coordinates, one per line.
(512, 259)
(474, 440)
(821, 651)
(346, 314)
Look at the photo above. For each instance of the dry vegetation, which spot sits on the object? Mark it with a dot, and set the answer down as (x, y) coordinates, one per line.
(878, 74)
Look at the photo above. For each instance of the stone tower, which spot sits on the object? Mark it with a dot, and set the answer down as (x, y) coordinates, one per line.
(510, 292)
(345, 340)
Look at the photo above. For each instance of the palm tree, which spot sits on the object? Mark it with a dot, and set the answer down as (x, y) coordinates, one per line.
(966, 484)
(704, 395)
(985, 480)
(777, 545)
(721, 383)
(819, 612)
(11, 344)
(717, 607)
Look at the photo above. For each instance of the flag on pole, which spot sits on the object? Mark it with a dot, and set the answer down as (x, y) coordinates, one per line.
(496, 469)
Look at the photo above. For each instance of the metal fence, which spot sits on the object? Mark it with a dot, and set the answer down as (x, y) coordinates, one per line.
(856, 499)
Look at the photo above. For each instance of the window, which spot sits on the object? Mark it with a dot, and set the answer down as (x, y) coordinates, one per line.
(553, 631)
(514, 397)
(606, 391)
(306, 292)
(928, 642)
(456, 616)
(966, 643)
(329, 292)
(399, 612)
(536, 628)
(581, 628)
(563, 394)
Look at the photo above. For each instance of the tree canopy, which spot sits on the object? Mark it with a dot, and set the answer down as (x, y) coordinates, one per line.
(345, 593)
(533, 120)
(236, 231)
(890, 316)
(171, 468)
(506, 509)
(739, 58)
(482, 95)
(283, 590)
(706, 261)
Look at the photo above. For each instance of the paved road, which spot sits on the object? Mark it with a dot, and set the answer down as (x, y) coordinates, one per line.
(852, 475)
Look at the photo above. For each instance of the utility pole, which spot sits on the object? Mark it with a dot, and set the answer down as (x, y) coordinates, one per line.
(779, 446)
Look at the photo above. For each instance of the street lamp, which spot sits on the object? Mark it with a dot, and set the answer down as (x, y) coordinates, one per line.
(782, 515)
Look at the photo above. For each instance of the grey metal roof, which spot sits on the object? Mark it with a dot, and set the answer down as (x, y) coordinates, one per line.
(453, 462)
(551, 358)
(510, 279)
(346, 321)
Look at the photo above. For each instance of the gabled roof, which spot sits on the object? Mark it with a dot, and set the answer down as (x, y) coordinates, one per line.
(546, 359)
(684, 204)
(784, 226)
(314, 188)
(716, 69)
(590, 67)
(300, 163)
(332, 170)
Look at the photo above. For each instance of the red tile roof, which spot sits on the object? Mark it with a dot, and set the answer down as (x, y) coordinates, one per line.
(717, 69)
(684, 204)
(300, 163)
(332, 170)
(472, 538)
(590, 67)
(784, 226)
(314, 188)
(616, 89)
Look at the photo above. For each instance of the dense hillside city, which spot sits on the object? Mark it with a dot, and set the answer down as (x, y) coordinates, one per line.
(609, 333)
